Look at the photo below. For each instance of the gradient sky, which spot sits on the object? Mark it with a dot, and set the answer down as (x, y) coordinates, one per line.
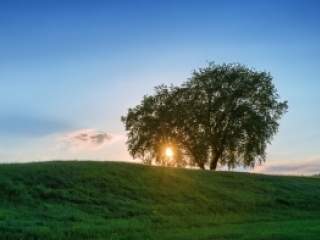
(70, 69)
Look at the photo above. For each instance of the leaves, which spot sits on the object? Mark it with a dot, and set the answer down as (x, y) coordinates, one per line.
(223, 114)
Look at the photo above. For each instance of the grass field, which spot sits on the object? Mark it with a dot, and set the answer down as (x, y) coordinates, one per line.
(108, 200)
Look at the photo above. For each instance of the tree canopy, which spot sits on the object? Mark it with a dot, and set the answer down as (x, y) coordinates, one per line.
(224, 114)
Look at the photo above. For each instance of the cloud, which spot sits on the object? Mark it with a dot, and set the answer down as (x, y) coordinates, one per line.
(80, 144)
(305, 167)
(88, 139)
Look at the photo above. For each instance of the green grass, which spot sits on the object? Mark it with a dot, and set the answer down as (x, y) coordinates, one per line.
(108, 200)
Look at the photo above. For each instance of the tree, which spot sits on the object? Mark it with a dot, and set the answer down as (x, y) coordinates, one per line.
(151, 128)
(224, 114)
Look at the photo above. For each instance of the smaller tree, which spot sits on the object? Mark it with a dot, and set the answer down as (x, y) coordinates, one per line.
(150, 127)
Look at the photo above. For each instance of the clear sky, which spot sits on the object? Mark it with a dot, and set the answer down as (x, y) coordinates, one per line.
(70, 69)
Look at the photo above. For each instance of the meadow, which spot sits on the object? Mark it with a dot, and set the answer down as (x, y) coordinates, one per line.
(112, 200)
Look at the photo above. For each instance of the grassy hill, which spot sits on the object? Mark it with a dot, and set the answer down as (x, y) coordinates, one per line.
(106, 200)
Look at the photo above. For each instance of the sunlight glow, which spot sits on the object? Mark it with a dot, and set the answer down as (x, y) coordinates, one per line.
(169, 152)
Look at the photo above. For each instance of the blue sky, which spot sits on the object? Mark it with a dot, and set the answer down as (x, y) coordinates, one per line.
(68, 67)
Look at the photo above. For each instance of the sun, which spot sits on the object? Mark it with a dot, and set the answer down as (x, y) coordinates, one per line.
(169, 152)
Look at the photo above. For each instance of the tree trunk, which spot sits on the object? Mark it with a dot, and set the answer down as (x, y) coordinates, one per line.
(214, 160)
(214, 163)
(201, 165)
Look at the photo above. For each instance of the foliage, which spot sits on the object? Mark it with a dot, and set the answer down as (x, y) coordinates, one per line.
(97, 200)
(151, 128)
(223, 114)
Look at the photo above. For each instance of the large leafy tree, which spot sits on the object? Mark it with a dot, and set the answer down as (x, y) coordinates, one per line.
(224, 114)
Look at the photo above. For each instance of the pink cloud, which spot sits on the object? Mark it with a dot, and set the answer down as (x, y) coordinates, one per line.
(88, 139)
(303, 167)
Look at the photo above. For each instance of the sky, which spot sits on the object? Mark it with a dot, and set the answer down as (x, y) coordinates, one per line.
(70, 69)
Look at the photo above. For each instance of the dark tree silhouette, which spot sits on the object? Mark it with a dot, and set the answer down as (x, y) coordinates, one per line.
(224, 114)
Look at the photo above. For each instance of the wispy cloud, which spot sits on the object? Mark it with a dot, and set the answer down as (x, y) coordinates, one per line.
(88, 139)
(303, 167)
(81, 144)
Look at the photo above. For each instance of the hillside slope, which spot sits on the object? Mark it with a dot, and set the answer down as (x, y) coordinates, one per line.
(108, 200)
